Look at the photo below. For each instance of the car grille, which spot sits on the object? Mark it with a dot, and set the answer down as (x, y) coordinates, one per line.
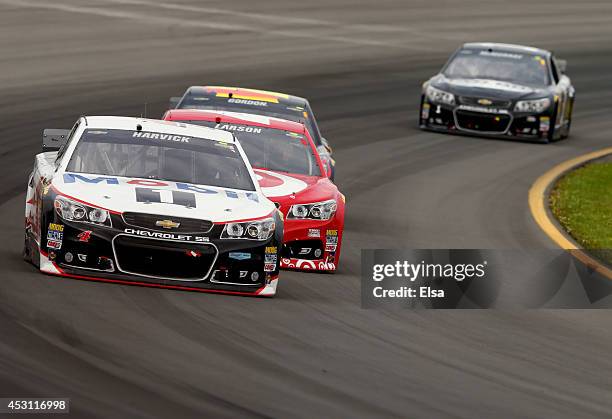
(482, 122)
(495, 103)
(150, 222)
(164, 259)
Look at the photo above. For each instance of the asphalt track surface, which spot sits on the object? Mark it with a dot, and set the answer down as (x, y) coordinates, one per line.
(121, 351)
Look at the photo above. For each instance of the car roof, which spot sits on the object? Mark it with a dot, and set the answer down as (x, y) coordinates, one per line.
(246, 93)
(154, 125)
(506, 47)
(236, 118)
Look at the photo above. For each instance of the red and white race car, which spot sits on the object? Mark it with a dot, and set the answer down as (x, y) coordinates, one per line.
(291, 174)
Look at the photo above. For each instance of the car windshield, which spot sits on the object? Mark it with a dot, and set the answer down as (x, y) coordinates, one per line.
(153, 155)
(273, 149)
(503, 66)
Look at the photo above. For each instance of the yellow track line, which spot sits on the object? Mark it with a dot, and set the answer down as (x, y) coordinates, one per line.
(539, 209)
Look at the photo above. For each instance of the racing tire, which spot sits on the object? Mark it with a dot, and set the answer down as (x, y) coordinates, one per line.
(26, 252)
(553, 120)
(568, 126)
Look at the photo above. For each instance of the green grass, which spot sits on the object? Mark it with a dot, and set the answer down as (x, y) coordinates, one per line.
(582, 202)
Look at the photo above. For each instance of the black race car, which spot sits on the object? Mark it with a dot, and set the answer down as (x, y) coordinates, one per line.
(500, 90)
(258, 102)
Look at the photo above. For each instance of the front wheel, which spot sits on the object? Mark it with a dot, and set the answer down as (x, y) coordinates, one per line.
(553, 123)
(26, 253)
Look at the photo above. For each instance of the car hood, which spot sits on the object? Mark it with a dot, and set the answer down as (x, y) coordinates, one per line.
(487, 88)
(287, 189)
(177, 199)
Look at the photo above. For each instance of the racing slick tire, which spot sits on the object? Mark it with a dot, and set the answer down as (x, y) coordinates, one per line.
(550, 137)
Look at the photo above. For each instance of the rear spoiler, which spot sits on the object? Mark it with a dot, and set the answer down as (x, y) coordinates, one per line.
(54, 139)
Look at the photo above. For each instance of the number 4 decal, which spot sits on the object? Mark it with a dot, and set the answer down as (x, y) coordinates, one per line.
(146, 195)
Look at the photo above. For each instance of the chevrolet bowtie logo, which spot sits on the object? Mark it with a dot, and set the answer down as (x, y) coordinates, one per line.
(167, 224)
(484, 102)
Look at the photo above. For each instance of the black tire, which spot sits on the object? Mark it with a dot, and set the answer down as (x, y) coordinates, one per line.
(26, 252)
(553, 121)
(566, 133)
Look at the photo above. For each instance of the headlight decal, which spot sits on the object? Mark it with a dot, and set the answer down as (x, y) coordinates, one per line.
(532, 106)
(249, 230)
(324, 210)
(71, 210)
(439, 96)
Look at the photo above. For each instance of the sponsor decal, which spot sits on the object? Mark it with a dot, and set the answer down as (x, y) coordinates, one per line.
(54, 244)
(327, 266)
(56, 227)
(239, 255)
(84, 236)
(269, 267)
(110, 180)
(247, 102)
(166, 236)
(502, 54)
(305, 250)
(82, 257)
(73, 177)
(271, 250)
(308, 264)
(425, 111)
(314, 232)
(331, 239)
(158, 136)
(193, 253)
(55, 235)
(239, 128)
(277, 184)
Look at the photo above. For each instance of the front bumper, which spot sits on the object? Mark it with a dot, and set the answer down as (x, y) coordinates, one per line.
(484, 121)
(312, 245)
(129, 255)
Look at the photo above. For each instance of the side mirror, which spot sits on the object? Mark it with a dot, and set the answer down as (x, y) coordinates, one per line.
(562, 65)
(174, 100)
(54, 139)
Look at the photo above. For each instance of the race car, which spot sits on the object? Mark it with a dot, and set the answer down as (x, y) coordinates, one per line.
(500, 90)
(258, 102)
(291, 174)
(145, 202)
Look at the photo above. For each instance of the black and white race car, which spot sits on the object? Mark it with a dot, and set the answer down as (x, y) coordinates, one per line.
(155, 203)
(500, 90)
